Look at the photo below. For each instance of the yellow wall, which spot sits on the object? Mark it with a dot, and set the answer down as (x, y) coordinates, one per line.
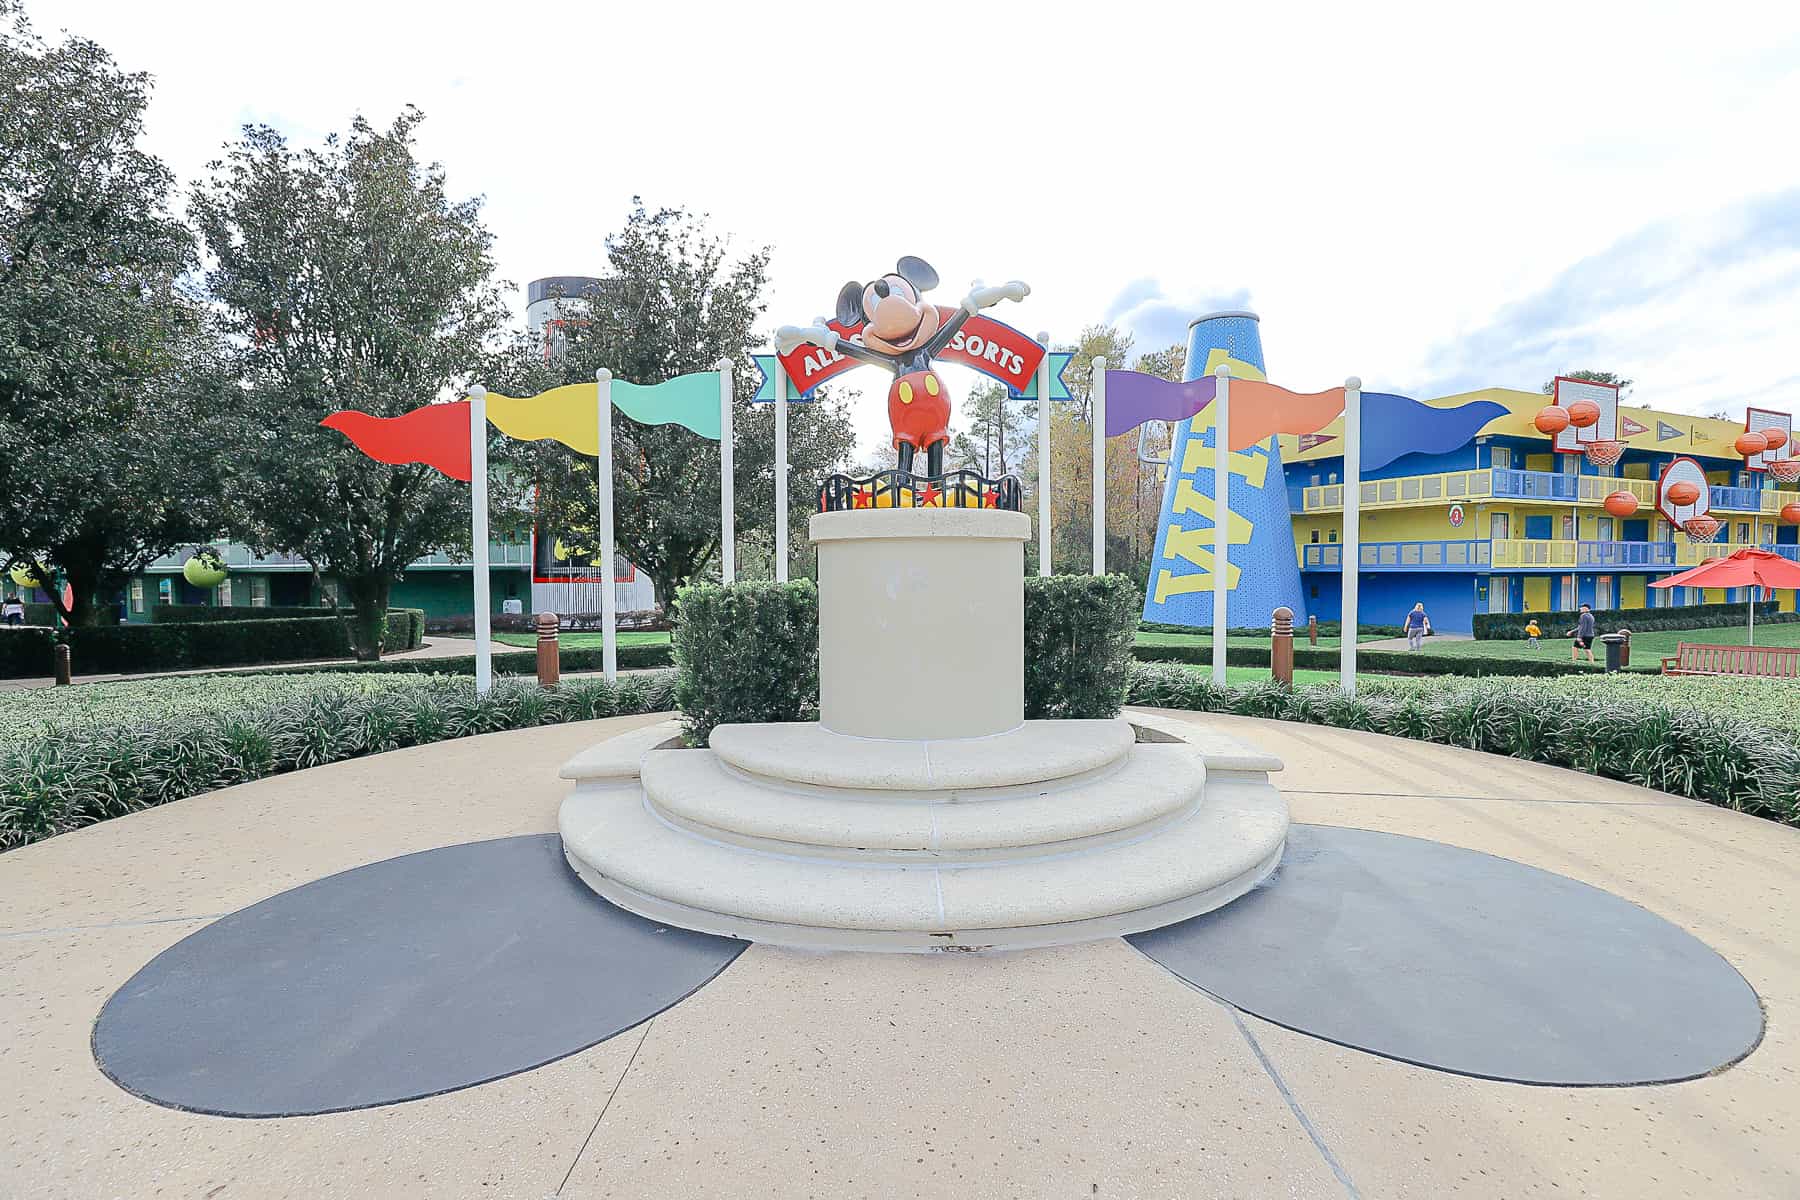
(1785, 601)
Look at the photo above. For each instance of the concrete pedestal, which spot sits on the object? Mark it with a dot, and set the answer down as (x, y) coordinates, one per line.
(921, 621)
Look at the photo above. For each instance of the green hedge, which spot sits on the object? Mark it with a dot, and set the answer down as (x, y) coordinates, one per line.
(746, 652)
(1511, 626)
(1401, 662)
(1326, 629)
(405, 630)
(186, 614)
(1703, 755)
(135, 648)
(57, 781)
(1078, 633)
(27, 652)
(508, 660)
(42, 614)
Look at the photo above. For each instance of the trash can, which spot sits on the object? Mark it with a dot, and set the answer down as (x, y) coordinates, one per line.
(1625, 650)
(1615, 650)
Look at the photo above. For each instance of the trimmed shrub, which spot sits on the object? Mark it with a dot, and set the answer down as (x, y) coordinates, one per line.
(42, 614)
(1710, 756)
(27, 652)
(184, 614)
(746, 652)
(181, 646)
(1401, 662)
(1326, 629)
(1078, 631)
(508, 660)
(62, 779)
(1511, 626)
(405, 630)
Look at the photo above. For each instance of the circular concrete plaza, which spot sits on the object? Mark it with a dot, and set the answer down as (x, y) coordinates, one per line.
(1469, 976)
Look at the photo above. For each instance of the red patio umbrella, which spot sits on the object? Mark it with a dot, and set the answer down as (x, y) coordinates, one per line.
(1749, 568)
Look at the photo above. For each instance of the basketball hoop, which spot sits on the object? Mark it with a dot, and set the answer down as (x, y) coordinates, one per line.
(1784, 470)
(1700, 529)
(1604, 454)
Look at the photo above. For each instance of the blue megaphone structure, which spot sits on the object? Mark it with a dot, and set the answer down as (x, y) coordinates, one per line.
(1263, 572)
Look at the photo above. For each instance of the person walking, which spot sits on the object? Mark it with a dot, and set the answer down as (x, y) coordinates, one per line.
(1418, 625)
(1584, 634)
(13, 610)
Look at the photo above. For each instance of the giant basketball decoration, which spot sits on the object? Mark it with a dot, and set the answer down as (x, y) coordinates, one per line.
(1622, 504)
(1791, 513)
(1776, 439)
(1683, 493)
(1750, 444)
(1700, 529)
(1584, 413)
(1551, 420)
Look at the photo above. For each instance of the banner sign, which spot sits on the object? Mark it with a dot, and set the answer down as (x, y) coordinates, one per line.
(989, 346)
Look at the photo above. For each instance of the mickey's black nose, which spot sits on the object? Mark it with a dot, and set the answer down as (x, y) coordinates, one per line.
(881, 288)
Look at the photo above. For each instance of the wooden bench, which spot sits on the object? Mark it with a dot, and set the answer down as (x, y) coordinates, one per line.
(1765, 662)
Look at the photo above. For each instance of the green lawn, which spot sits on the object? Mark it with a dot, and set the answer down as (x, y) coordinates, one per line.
(1646, 648)
(1205, 639)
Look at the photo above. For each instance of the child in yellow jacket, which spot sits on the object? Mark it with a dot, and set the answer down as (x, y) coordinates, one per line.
(1533, 632)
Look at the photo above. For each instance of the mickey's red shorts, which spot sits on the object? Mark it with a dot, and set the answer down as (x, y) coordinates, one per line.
(919, 410)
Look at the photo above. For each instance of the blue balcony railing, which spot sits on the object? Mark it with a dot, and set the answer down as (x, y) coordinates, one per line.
(1499, 555)
(1534, 485)
(1400, 556)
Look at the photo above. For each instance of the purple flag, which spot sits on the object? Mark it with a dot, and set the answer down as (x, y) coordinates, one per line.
(1133, 397)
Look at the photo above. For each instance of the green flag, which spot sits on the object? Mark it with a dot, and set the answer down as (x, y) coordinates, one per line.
(690, 400)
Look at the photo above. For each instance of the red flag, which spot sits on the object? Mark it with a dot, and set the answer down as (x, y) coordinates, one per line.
(436, 435)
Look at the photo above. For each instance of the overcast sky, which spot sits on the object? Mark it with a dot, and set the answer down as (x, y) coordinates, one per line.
(1435, 201)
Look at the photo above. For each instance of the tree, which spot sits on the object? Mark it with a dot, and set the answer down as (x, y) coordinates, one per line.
(356, 282)
(112, 382)
(672, 300)
(1623, 384)
(995, 441)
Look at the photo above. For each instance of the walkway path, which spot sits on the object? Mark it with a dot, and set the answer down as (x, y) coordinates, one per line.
(1087, 1071)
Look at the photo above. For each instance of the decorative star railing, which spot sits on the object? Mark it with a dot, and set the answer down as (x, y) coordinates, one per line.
(902, 489)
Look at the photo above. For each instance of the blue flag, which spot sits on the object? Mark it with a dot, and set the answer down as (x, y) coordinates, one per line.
(1394, 426)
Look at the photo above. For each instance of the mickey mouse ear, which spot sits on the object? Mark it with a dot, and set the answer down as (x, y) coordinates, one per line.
(917, 272)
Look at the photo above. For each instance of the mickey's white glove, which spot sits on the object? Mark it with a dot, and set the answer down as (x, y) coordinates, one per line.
(987, 297)
(789, 336)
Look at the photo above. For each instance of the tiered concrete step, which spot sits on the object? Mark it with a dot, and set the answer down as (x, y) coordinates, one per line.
(922, 849)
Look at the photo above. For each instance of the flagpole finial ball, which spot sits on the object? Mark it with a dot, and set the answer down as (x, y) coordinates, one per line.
(1353, 383)
(1099, 362)
(1223, 371)
(1044, 338)
(603, 376)
(725, 364)
(477, 392)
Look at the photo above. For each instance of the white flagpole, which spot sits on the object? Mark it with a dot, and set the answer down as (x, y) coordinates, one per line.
(1099, 423)
(1221, 518)
(609, 600)
(1351, 541)
(781, 473)
(727, 503)
(478, 537)
(1043, 415)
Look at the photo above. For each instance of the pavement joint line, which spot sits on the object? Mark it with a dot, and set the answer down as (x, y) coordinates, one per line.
(9, 935)
(617, 1084)
(1673, 803)
(1293, 1102)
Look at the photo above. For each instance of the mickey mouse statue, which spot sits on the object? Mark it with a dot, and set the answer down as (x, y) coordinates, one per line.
(904, 334)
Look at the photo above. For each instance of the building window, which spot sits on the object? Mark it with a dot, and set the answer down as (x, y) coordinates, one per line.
(259, 591)
(1331, 535)
(137, 595)
(1331, 478)
(1603, 527)
(1315, 533)
(1743, 526)
(165, 590)
(222, 594)
(1502, 456)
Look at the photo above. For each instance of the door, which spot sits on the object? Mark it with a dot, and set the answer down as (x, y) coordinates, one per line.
(1631, 531)
(1499, 590)
(1503, 460)
(1536, 528)
(1568, 526)
(1569, 595)
(1603, 592)
(1633, 592)
(1537, 593)
(1603, 527)
(1498, 526)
